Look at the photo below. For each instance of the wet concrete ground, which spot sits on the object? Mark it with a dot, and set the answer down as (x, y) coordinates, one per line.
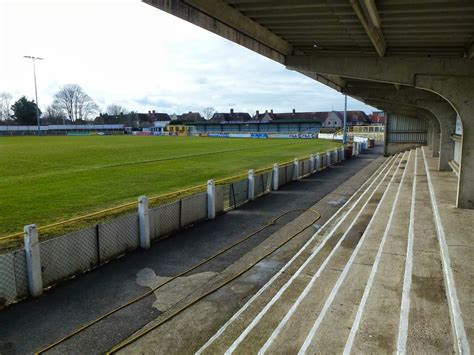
(32, 324)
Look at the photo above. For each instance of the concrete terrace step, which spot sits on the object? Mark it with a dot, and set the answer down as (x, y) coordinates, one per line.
(377, 280)
(248, 330)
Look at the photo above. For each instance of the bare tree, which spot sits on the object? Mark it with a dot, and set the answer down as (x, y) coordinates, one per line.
(115, 110)
(208, 112)
(72, 99)
(54, 114)
(5, 106)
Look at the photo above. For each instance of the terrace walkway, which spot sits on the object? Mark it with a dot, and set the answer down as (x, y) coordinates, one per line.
(392, 272)
(29, 325)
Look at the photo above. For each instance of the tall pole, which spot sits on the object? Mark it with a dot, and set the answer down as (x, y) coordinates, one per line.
(344, 133)
(36, 90)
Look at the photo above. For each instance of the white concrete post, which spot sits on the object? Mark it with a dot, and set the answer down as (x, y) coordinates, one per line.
(328, 154)
(343, 154)
(211, 199)
(354, 149)
(144, 222)
(33, 260)
(296, 165)
(336, 155)
(251, 185)
(311, 163)
(275, 177)
(318, 162)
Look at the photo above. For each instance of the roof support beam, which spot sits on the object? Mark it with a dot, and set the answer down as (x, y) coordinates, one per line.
(372, 28)
(394, 70)
(373, 13)
(470, 51)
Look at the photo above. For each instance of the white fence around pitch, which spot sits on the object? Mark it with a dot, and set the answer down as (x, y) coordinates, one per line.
(18, 130)
(81, 250)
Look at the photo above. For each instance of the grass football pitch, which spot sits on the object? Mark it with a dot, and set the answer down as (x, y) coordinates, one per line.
(49, 179)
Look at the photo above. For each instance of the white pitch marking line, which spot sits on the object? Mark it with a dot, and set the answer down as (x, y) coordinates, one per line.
(378, 172)
(280, 292)
(405, 306)
(345, 271)
(368, 287)
(455, 310)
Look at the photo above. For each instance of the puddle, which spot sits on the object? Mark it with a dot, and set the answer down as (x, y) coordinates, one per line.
(173, 292)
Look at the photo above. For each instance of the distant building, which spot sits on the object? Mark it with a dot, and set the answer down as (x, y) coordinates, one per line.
(335, 119)
(377, 118)
(191, 117)
(290, 116)
(230, 117)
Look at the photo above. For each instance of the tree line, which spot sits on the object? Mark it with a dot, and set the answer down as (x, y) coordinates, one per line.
(70, 105)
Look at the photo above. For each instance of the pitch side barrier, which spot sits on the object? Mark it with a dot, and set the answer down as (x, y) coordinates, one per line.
(42, 256)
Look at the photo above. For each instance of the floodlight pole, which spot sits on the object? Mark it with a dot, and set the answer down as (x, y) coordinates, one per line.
(344, 132)
(33, 59)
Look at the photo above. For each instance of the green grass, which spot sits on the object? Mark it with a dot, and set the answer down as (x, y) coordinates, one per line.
(48, 179)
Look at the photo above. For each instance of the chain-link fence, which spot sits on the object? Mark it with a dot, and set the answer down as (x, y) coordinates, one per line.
(263, 183)
(13, 277)
(118, 236)
(193, 209)
(69, 255)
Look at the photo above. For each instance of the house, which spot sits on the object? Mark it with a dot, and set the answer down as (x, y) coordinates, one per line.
(191, 117)
(335, 119)
(231, 117)
(377, 118)
(155, 121)
(290, 116)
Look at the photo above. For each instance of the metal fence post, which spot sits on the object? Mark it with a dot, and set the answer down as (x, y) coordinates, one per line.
(311, 163)
(251, 185)
(275, 177)
(211, 199)
(296, 169)
(33, 260)
(318, 162)
(144, 222)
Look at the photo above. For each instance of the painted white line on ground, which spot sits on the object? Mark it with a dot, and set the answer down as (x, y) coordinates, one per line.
(460, 336)
(370, 281)
(376, 174)
(280, 292)
(405, 306)
(345, 271)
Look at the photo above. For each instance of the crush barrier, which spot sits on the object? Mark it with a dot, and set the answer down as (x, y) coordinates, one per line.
(40, 264)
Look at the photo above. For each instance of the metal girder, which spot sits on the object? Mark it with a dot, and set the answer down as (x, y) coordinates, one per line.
(370, 27)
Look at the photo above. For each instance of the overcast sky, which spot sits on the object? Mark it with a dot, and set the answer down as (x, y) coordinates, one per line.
(127, 52)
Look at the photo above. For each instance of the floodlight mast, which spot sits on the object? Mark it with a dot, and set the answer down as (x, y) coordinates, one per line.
(344, 132)
(33, 59)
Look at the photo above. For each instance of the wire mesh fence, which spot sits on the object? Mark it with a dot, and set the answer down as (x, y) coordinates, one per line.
(164, 220)
(289, 172)
(13, 277)
(69, 255)
(193, 209)
(219, 199)
(263, 183)
(118, 236)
